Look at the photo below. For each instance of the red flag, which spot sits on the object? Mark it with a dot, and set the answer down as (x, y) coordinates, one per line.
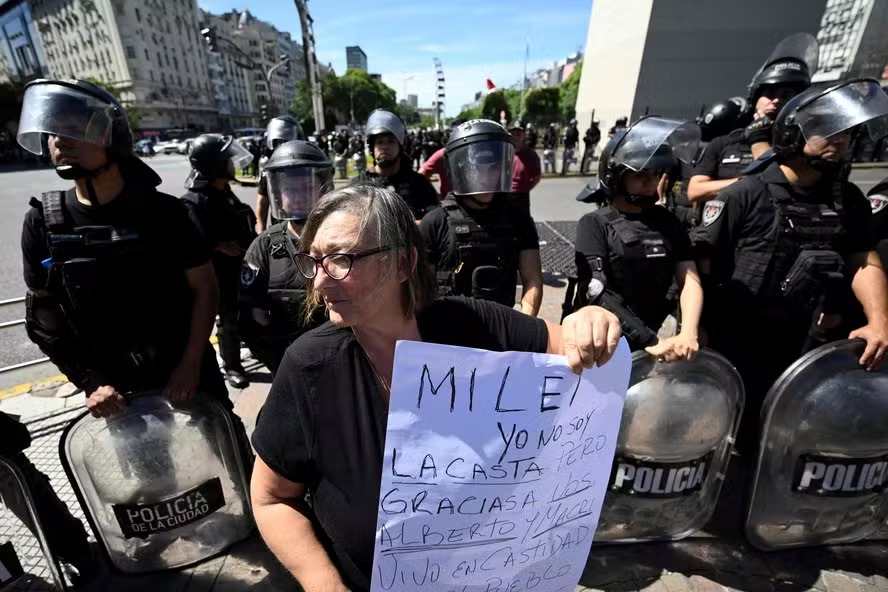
(490, 84)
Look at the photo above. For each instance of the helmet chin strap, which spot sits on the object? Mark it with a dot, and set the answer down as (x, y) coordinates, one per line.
(824, 166)
(642, 201)
(71, 172)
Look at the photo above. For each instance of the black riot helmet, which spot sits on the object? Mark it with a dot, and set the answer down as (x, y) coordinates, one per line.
(283, 128)
(299, 174)
(822, 113)
(792, 63)
(723, 117)
(382, 121)
(480, 158)
(214, 156)
(651, 143)
(78, 110)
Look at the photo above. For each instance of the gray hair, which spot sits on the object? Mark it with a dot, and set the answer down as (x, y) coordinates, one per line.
(386, 220)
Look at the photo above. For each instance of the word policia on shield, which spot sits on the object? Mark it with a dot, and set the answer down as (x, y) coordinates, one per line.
(496, 466)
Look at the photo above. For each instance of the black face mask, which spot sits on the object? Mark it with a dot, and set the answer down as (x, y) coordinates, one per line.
(827, 167)
(642, 201)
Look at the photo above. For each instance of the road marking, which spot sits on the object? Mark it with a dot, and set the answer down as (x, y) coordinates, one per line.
(27, 387)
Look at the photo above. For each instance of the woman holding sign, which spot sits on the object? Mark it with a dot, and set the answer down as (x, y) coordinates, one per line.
(630, 251)
(323, 426)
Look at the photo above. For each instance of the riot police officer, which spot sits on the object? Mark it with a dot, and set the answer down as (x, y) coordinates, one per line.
(272, 292)
(629, 251)
(480, 240)
(279, 130)
(721, 118)
(121, 293)
(878, 198)
(391, 165)
(789, 245)
(227, 227)
(571, 141)
(786, 73)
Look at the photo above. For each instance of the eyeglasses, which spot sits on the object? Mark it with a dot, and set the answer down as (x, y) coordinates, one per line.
(337, 265)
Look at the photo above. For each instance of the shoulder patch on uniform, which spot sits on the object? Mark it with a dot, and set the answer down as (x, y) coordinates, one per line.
(249, 271)
(878, 202)
(712, 210)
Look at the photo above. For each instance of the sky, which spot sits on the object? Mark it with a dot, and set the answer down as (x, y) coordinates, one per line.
(474, 39)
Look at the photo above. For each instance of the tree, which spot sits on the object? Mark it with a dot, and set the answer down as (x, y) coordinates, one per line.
(132, 113)
(11, 94)
(569, 90)
(513, 101)
(469, 114)
(493, 104)
(543, 105)
(427, 122)
(354, 92)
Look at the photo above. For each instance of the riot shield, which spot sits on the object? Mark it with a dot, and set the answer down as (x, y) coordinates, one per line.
(678, 426)
(162, 486)
(823, 461)
(26, 561)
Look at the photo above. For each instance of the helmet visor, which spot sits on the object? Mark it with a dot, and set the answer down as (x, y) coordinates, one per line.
(645, 139)
(295, 191)
(481, 167)
(859, 103)
(240, 156)
(59, 110)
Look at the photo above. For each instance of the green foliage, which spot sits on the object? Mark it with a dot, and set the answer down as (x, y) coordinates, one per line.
(493, 103)
(10, 101)
(427, 122)
(469, 114)
(569, 90)
(132, 113)
(354, 89)
(542, 106)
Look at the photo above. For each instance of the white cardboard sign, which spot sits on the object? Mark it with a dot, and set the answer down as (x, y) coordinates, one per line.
(496, 466)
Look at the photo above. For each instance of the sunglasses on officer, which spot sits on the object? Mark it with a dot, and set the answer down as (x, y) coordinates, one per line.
(336, 265)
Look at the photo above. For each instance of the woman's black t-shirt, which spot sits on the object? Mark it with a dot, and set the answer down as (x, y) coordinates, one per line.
(325, 418)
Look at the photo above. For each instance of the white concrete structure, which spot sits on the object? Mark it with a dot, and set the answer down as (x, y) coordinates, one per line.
(671, 58)
(21, 55)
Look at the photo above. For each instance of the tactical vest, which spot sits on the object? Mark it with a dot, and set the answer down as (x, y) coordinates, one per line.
(106, 279)
(227, 218)
(644, 272)
(286, 286)
(763, 265)
(487, 260)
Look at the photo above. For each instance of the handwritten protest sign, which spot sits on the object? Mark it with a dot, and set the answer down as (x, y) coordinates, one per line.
(496, 466)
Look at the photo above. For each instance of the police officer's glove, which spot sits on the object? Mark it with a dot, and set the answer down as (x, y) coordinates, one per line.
(759, 131)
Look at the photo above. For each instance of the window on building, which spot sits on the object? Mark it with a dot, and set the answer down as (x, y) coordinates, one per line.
(147, 57)
(168, 60)
(151, 75)
(175, 63)
(138, 15)
(131, 52)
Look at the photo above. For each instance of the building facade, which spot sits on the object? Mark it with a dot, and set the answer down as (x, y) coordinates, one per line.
(672, 58)
(853, 40)
(152, 52)
(250, 47)
(21, 54)
(355, 58)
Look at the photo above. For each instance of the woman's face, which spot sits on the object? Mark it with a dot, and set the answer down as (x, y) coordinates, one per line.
(371, 290)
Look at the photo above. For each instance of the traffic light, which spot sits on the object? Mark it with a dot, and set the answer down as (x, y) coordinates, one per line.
(209, 35)
(263, 111)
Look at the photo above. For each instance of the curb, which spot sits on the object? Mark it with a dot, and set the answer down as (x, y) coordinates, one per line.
(27, 387)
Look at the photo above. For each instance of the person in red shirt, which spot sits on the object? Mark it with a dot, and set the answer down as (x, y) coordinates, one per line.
(527, 170)
(434, 165)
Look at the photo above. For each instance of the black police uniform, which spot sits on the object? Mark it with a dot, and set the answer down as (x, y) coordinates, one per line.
(878, 198)
(118, 309)
(476, 251)
(65, 534)
(725, 157)
(634, 256)
(221, 216)
(269, 281)
(678, 202)
(776, 251)
(415, 189)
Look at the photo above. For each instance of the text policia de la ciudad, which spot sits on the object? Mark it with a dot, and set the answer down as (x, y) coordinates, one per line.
(535, 523)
